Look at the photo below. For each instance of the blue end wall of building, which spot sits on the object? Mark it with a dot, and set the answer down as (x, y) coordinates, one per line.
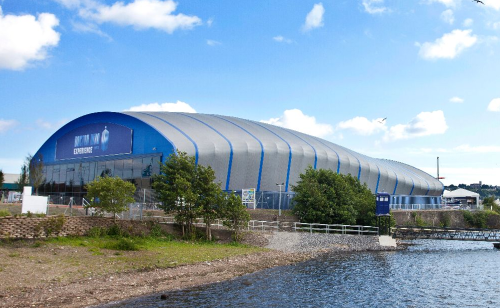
(145, 139)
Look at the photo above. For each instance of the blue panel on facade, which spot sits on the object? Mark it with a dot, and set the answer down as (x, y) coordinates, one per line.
(93, 140)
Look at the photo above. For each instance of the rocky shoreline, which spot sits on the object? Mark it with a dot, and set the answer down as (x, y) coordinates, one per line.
(285, 249)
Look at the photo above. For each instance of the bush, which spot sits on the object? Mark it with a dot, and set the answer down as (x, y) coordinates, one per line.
(123, 244)
(52, 225)
(478, 219)
(4, 213)
(97, 232)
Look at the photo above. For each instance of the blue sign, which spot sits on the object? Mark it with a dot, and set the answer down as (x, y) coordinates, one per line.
(100, 139)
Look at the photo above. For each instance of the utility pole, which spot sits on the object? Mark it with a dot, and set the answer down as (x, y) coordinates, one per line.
(279, 203)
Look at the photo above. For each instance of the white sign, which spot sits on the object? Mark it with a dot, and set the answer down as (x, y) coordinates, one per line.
(248, 196)
(33, 204)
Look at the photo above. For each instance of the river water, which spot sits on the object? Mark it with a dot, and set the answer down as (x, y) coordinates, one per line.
(429, 274)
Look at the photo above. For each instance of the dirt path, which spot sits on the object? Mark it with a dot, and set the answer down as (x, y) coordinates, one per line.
(113, 287)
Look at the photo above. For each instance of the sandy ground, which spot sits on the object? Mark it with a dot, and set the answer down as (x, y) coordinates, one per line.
(38, 283)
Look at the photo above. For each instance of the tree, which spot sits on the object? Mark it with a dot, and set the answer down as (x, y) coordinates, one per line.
(1, 179)
(323, 196)
(235, 214)
(23, 178)
(110, 195)
(489, 203)
(190, 191)
(175, 189)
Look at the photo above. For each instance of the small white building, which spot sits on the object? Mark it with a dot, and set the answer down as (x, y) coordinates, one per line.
(461, 197)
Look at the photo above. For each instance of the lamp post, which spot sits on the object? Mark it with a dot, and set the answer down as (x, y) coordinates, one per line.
(279, 202)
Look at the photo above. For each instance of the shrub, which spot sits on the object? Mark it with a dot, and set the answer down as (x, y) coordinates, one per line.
(97, 232)
(4, 213)
(52, 225)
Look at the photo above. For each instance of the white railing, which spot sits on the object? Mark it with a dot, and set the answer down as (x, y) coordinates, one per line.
(261, 225)
(342, 229)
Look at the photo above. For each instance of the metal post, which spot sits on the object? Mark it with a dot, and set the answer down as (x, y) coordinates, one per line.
(279, 202)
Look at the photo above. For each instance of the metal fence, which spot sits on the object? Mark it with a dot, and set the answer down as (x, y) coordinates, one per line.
(341, 229)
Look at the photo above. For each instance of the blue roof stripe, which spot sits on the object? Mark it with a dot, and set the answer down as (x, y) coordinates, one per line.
(378, 179)
(230, 164)
(261, 148)
(289, 156)
(338, 157)
(315, 153)
(180, 131)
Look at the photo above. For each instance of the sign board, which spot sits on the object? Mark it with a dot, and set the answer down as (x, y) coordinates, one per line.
(248, 197)
(33, 204)
(98, 139)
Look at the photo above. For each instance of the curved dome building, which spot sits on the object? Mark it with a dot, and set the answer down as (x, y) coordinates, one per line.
(243, 153)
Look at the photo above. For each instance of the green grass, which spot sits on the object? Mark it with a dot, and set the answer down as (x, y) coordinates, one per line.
(154, 252)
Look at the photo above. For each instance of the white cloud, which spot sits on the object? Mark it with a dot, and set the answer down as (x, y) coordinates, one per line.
(5, 125)
(456, 99)
(478, 149)
(89, 28)
(468, 22)
(448, 17)
(213, 43)
(494, 4)
(466, 175)
(494, 25)
(363, 126)
(140, 14)
(296, 120)
(282, 39)
(375, 6)
(494, 105)
(171, 107)
(210, 21)
(424, 124)
(26, 38)
(448, 46)
(144, 14)
(447, 3)
(50, 125)
(314, 18)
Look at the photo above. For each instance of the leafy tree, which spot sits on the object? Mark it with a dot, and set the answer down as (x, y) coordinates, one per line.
(190, 191)
(323, 196)
(235, 214)
(175, 188)
(110, 195)
(489, 203)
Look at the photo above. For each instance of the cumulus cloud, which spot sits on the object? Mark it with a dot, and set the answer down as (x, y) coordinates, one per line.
(140, 14)
(282, 39)
(5, 125)
(143, 14)
(456, 99)
(424, 124)
(26, 38)
(494, 4)
(296, 120)
(448, 17)
(213, 43)
(494, 105)
(363, 126)
(314, 18)
(468, 22)
(171, 107)
(375, 6)
(448, 46)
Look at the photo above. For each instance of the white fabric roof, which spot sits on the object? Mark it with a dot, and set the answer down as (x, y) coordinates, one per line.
(460, 193)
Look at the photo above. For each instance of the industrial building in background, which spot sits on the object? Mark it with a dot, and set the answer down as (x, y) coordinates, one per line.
(245, 155)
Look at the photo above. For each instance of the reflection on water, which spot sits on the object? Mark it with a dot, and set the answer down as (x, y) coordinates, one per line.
(428, 274)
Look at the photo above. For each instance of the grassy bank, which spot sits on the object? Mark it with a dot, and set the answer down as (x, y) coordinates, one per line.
(36, 263)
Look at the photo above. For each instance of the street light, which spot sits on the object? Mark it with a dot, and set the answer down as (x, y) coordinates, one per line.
(279, 203)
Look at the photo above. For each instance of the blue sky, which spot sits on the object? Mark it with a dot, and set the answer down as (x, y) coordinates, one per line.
(331, 68)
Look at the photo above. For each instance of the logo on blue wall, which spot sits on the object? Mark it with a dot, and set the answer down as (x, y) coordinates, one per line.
(95, 140)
